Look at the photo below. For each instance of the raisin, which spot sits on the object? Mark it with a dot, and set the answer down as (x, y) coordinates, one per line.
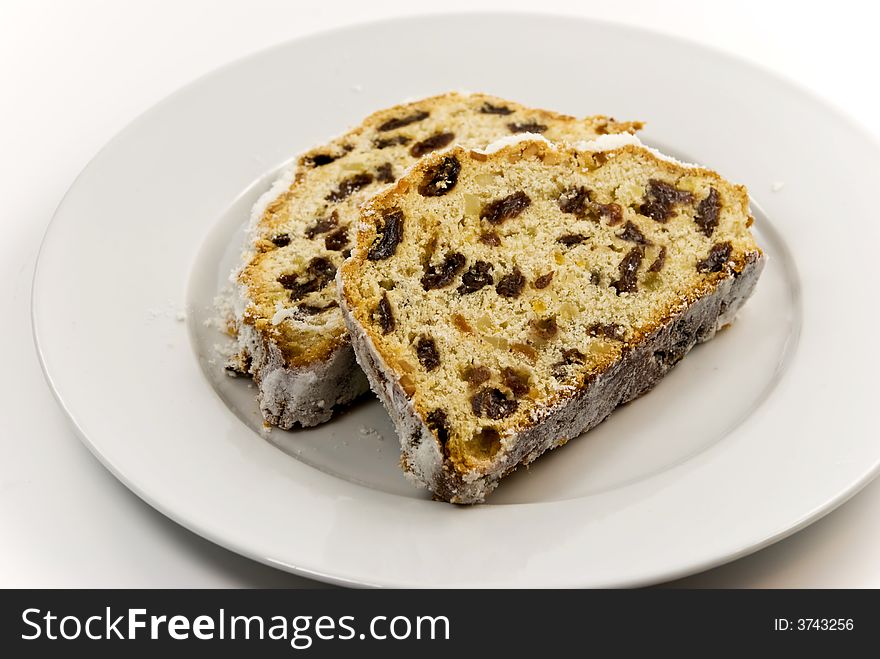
(569, 357)
(573, 356)
(384, 315)
(337, 240)
(281, 240)
(385, 142)
(575, 201)
(502, 110)
(707, 212)
(611, 213)
(545, 328)
(400, 122)
(490, 238)
(321, 271)
(290, 282)
(476, 375)
(659, 262)
(631, 233)
(438, 276)
(349, 186)
(659, 199)
(323, 225)
(319, 159)
(511, 284)
(629, 270)
(544, 280)
(461, 323)
(505, 208)
(492, 403)
(571, 239)
(436, 421)
(475, 278)
(527, 127)
(517, 382)
(432, 143)
(607, 330)
(384, 173)
(311, 310)
(429, 249)
(388, 237)
(717, 259)
(426, 351)
(440, 178)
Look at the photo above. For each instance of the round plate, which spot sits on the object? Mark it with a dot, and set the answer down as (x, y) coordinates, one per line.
(754, 435)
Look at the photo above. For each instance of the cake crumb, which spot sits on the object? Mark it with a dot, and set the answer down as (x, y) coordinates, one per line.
(357, 89)
(776, 186)
(168, 310)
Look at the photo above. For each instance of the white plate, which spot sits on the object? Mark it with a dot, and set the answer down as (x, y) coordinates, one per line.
(753, 436)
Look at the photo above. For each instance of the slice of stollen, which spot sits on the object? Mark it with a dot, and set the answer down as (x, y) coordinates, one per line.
(290, 330)
(502, 302)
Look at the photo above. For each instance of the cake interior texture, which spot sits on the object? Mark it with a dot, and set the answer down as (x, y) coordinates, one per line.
(489, 290)
(291, 332)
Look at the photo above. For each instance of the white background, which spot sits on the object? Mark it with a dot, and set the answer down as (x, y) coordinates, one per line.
(73, 73)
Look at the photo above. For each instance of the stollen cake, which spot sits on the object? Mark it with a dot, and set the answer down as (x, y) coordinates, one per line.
(290, 330)
(504, 301)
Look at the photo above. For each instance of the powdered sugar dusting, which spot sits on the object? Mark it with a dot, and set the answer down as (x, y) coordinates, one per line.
(279, 187)
(608, 142)
(282, 314)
